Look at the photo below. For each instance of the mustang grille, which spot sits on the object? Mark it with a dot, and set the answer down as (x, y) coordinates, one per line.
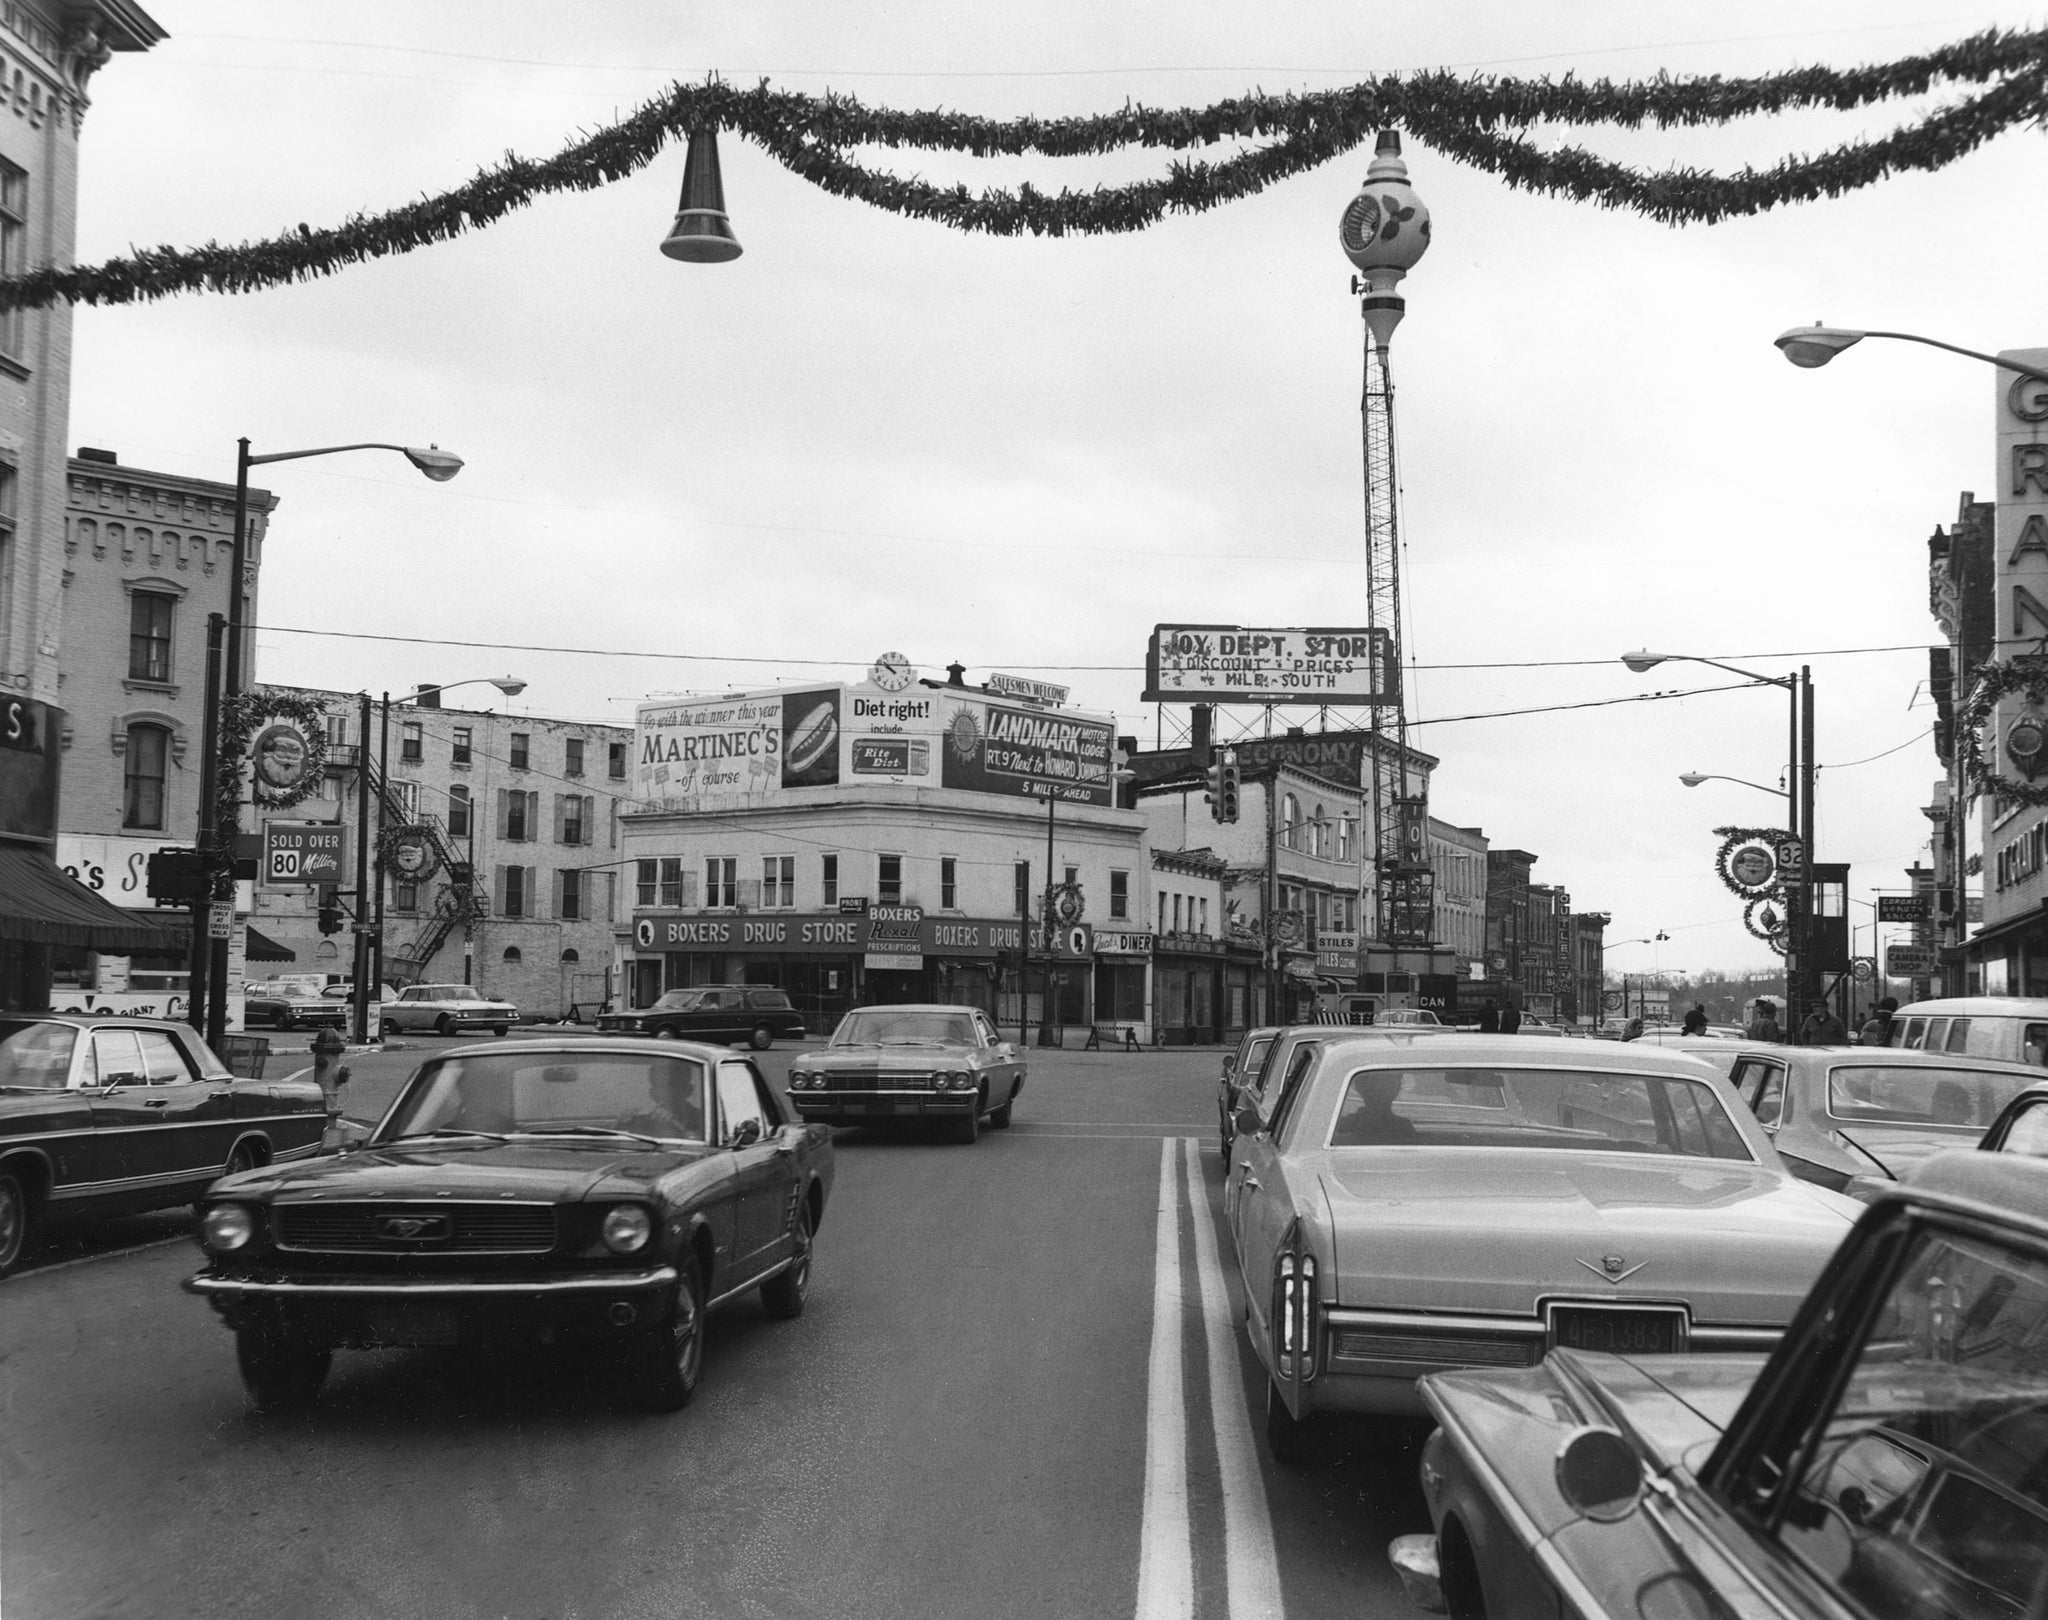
(1401, 1347)
(368, 1228)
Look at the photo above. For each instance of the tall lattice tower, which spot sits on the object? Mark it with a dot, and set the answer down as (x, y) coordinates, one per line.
(1385, 230)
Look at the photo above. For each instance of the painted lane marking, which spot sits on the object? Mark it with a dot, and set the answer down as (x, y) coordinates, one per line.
(1252, 1566)
(29, 1271)
(1166, 1557)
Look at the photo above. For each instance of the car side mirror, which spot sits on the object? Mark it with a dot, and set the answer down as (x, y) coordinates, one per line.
(1246, 1121)
(1599, 1474)
(746, 1133)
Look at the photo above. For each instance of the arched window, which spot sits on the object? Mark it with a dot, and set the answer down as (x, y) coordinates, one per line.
(327, 951)
(143, 776)
(1319, 832)
(1290, 821)
(512, 953)
(1344, 838)
(571, 955)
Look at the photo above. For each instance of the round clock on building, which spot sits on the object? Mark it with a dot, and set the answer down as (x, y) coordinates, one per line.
(891, 672)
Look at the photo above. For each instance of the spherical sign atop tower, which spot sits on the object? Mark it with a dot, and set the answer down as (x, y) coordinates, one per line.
(1384, 230)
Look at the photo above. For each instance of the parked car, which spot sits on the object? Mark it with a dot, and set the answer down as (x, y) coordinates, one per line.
(1403, 1206)
(290, 1006)
(447, 1009)
(917, 1062)
(1240, 1066)
(1409, 1015)
(754, 1013)
(2014, 1028)
(1890, 1459)
(1848, 1116)
(106, 1116)
(581, 1191)
(1258, 1085)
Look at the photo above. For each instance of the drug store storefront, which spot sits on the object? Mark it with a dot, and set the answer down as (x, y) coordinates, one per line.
(828, 962)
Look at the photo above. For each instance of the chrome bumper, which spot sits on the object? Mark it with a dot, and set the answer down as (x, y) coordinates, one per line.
(212, 1287)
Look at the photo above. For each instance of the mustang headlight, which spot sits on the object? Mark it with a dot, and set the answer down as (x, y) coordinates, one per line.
(627, 1227)
(227, 1227)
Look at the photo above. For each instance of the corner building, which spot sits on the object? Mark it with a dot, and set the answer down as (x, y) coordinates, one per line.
(860, 842)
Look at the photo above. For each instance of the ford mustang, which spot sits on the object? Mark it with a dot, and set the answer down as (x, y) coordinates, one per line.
(608, 1193)
(1400, 1207)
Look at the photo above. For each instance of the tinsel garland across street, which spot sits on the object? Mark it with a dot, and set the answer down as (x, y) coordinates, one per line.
(1473, 120)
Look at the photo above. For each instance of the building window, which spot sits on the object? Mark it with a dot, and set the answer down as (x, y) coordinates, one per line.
(1204, 903)
(410, 743)
(643, 884)
(1021, 878)
(571, 906)
(829, 870)
(408, 796)
(458, 753)
(949, 884)
(778, 881)
(149, 637)
(337, 731)
(513, 902)
(1319, 831)
(722, 881)
(1162, 913)
(458, 811)
(1290, 821)
(572, 764)
(1176, 914)
(405, 895)
(672, 880)
(1344, 838)
(143, 777)
(572, 828)
(512, 955)
(1120, 894)
(13, 249)
(518, 818)
(519, 750)
(889, 880)
(615, 760)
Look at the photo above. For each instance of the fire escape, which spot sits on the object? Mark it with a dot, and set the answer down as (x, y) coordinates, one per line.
(457, 901)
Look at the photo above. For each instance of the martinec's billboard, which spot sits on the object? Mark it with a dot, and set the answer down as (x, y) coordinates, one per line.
(1228, 663)
(1027, 753)
(739, 749)
(753, 747)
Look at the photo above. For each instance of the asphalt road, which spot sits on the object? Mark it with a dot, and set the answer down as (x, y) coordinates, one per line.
(1020, 1388)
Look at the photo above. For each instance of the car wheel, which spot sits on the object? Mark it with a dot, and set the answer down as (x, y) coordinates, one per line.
(386, 1027)
(762, 1038)
(243, 1158)
(445, 1024)
(784, 1295)
(999, 1118)
(280, 1369)
(666, 1032)
(1288, 1437)
(286, 1020)
(664, 1365)
(14, 1222)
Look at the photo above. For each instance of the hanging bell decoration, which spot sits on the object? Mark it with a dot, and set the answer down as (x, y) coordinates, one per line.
(702, 234)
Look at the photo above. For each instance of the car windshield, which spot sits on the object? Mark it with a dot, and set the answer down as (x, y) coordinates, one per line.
(884, 1026)
(1536, 1108)
(1897, 1094)
(498, 1094)
(450, 992)
(679, 1001)
(35, 1054)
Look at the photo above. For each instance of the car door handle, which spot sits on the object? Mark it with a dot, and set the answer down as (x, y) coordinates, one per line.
(1250, 1180)
(156, 1102)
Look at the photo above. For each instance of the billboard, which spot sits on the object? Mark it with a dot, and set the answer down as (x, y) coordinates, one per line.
(992, 747)
(1228, 663)
(739, 749)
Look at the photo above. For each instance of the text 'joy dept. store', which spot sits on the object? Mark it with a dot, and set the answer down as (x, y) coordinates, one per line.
(893, 839)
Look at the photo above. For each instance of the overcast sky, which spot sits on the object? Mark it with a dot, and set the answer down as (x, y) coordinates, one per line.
(870, 433)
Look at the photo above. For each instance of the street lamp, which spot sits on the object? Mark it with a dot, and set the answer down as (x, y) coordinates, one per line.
(210, 975)
(1810, 347)
(1695, 778)
(369, 951)
(1801, 981)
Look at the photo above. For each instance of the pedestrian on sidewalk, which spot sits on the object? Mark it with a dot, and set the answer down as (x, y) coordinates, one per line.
(1877, 1029)
(1696, 1020)
(1510, 1019)
(1823, 1027)
(1489, 1021)
(1764, 1026)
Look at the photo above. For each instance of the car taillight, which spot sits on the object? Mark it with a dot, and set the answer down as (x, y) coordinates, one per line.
(1294, 1308)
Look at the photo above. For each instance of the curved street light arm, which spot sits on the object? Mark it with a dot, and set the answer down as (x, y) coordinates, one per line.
(1811, 346)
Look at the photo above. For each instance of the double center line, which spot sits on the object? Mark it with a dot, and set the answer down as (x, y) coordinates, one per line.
(1166, 1561)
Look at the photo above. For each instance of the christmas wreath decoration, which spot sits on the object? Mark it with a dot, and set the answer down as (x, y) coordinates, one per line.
(1482, 121)
(410, 835)
(241, 717)
(2026, 674)
(1765, 923)
(1732, 839)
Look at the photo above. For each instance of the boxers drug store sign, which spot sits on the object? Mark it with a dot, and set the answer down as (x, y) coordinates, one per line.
(833, 935)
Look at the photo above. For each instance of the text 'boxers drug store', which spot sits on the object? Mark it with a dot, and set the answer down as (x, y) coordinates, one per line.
(832, 962)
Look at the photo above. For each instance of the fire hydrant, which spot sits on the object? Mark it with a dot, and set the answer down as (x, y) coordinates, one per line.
(330, 1074)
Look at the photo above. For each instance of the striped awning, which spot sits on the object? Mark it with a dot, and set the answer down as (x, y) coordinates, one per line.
(39, 905)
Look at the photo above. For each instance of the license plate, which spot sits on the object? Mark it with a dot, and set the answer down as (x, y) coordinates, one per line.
(1618, 1332)
(414, 1325)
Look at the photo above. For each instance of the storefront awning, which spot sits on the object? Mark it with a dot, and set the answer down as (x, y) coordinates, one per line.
(262, 948)
(2005, 931)
(39, 905)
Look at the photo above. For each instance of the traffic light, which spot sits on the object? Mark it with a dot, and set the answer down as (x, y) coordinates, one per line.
(180, 876)
(1227, 786)
(330, 911)
(1214, 791)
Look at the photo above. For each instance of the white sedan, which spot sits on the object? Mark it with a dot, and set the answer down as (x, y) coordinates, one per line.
(446, 1009)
